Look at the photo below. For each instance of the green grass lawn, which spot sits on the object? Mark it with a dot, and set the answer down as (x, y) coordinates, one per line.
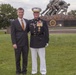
(60, 55)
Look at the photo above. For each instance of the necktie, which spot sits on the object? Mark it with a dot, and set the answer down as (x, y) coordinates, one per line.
(22, 24)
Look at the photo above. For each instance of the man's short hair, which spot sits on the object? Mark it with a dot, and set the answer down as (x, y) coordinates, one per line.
(20, 9)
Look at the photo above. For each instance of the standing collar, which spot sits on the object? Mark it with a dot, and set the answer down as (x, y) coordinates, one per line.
(37, 19)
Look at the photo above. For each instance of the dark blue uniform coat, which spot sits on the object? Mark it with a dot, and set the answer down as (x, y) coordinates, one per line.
(39, 35)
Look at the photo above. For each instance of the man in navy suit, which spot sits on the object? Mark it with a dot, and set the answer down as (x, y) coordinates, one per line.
(19, 30)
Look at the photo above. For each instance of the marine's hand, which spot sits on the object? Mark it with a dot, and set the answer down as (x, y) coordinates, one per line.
(47, 44)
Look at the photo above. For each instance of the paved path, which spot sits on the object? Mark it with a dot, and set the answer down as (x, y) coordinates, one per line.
(62, 30)
(59, 30)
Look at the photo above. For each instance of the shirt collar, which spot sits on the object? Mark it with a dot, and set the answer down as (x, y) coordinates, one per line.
(20, 19)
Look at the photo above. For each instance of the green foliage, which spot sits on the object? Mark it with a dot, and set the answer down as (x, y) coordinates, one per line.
(72, 12)
(60, 55)
(7, 12)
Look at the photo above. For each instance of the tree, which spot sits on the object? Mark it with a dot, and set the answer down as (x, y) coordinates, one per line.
(72, 12)
(7, 12)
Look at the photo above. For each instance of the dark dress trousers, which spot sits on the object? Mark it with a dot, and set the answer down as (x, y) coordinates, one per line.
(39, 35)
(20, 37)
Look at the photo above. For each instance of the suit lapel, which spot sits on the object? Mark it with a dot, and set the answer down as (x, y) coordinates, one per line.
(25, 23)
(19, 25)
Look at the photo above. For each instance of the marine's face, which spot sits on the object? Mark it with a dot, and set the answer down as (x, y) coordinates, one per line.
(20, 13)
(36, 15)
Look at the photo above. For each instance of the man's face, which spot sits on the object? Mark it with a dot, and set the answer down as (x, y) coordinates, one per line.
(20, 13)
(36, 15)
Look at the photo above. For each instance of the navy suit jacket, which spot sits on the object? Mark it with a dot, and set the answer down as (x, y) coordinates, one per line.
(18, 35)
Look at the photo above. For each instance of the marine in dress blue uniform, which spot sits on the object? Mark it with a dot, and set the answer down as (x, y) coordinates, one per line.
(39, 38)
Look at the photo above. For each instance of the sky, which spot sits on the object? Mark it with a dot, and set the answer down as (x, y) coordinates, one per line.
(29, 4)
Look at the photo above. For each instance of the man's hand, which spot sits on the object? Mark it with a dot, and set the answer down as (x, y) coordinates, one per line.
(46, 44)
(14, 46)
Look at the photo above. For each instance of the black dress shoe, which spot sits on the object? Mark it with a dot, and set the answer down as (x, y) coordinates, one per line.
(18, 73)
(23, 74)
